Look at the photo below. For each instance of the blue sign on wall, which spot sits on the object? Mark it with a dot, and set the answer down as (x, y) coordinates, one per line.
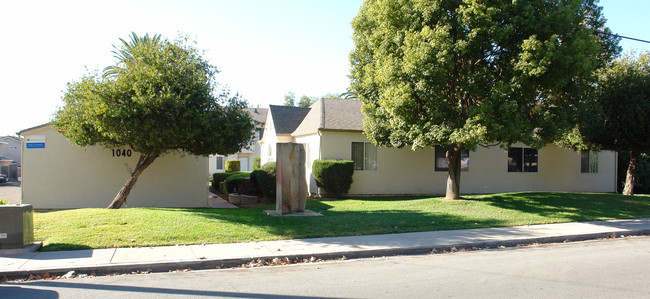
(35, 145)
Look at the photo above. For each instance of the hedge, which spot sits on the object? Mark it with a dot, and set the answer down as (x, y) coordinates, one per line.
(233, 181)
(233, 165)
(219, 177)
(266, 179)
(335, 176)
(257, 163)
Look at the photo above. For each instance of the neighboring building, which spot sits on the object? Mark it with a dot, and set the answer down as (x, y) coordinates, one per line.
(60, 175)
(247, 155)
(10, 157)
(333, 129)
(11, 149)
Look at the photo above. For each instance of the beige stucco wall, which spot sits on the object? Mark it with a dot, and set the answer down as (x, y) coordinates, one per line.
(62, 175)
(403, 171)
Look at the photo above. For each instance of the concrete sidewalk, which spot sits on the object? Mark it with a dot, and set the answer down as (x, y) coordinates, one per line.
(127, 260)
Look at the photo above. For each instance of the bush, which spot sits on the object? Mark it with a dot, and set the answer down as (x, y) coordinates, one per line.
(233, 165)
(266, 179)
(335, 176)
(219, 177)
(3, 202)
(222, 188)
(257, 162)
(233, 181)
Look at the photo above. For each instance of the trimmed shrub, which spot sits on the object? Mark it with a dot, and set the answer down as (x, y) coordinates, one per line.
(335, 176)
(219, 177)
(266, 179)
(222, 188)
(233, 181)
(257, 163)
(233, 165)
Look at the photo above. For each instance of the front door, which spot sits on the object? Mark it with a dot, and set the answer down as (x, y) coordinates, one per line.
(243, 164)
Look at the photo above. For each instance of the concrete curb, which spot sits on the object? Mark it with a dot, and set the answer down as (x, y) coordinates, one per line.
(204, 264)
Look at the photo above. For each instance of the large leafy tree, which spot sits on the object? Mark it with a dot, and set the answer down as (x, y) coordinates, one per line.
(160, 97)
(474, 72)
(620, 117)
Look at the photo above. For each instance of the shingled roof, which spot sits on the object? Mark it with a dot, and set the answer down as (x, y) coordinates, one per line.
(258, 114)
(332, 114)
(286, 118)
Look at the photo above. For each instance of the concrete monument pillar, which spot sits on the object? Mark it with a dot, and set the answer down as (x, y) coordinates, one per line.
(291, 184)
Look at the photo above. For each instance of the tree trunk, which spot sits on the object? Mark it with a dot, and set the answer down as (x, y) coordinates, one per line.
(630, 178)
(143, 163)
(453, 179)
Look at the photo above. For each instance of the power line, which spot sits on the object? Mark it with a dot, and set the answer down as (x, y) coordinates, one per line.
(625, 37)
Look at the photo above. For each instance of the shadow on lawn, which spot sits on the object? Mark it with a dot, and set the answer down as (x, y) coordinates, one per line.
(63, 246)
(347, 223)
(574, 206)
(557, 207)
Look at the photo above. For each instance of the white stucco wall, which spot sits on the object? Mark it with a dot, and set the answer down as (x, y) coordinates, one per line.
(269, 139)
(312, 149)
(403, 171)
(63, 175)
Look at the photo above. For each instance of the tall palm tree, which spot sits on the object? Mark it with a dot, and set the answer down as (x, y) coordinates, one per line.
(124, 53)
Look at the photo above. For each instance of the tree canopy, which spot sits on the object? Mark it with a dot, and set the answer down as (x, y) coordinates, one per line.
(463, 73)
(160, 97)
(620, 115)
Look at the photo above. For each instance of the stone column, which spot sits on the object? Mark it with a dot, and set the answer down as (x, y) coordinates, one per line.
(291, 184)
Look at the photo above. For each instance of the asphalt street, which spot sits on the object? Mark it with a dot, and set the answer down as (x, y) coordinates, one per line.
(616, 268)
(10, 192)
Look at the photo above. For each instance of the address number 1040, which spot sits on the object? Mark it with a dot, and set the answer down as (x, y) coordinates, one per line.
(121, 153)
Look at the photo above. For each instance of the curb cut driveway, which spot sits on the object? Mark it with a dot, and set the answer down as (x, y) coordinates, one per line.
(162, 259)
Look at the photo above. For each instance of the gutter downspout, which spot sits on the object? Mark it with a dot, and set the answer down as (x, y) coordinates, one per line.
(615, 172)
(22, 166)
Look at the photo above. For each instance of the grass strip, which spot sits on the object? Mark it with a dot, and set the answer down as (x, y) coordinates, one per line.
(132, 227)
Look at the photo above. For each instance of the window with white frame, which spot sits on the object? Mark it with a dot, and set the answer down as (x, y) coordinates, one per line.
(588, 162)
(441, 159)
(522, 159)
(364, 156)
(219, 163)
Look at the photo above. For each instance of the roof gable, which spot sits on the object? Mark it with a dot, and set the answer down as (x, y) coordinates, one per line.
(257, 114)
(340, 114)
(286, 118)
(332, 114)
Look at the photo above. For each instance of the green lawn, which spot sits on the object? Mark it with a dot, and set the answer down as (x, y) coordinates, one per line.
(99, 228)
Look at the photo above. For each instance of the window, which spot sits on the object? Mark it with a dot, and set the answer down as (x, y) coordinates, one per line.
(588, 162)
(522, 159)
(364, 155)
(269, 151)
(441, 159)
(260, 133)
(220, 163)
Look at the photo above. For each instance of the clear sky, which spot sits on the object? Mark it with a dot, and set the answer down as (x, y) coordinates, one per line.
(264, 48)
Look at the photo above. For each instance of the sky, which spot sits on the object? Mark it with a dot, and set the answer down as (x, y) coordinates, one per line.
(263, 48)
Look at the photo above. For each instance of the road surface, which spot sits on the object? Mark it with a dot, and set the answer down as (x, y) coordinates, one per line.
(617, 268)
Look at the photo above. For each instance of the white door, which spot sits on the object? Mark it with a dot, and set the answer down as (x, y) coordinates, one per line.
(243, 164)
